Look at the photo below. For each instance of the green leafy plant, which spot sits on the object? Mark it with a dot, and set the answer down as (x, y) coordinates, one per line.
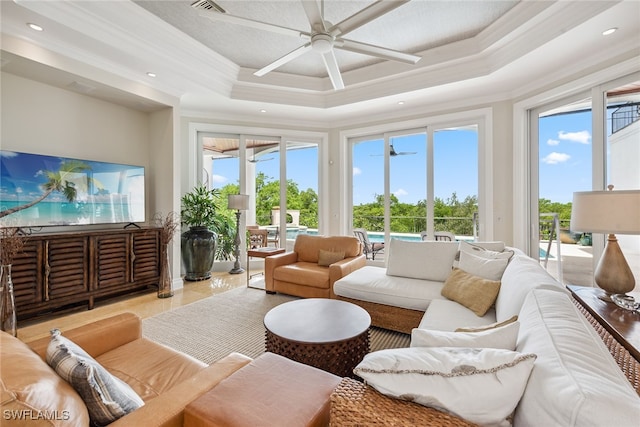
(199, 208)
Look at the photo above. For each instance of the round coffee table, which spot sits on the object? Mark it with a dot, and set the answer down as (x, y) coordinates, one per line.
(329, 334)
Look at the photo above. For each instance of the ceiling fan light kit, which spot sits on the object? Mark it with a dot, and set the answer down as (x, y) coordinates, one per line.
(323, 37)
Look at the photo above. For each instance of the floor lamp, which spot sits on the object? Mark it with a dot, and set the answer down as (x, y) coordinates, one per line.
(239, 202)
(609, 212)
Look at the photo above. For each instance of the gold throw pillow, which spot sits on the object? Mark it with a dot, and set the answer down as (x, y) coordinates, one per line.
(476, 293)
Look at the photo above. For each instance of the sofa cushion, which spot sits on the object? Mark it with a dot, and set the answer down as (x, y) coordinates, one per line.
(308, 246)
(155, 369)
(446, 315)
(504, 337)
(326, 258)
(372, 284)
(575, 381)
(479, 385)
(29, 384)
(474, 292)
(303, 273)
(421, 260)
(521, 276)
(489, 268)
(106, 396)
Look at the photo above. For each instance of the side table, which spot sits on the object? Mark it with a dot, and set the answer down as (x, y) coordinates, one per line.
(623, 325)
(260, 253)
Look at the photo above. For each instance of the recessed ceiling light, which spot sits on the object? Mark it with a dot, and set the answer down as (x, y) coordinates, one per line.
(400, 102)
(35, 27)
(609, 31)
(150, 74)
(263, 111)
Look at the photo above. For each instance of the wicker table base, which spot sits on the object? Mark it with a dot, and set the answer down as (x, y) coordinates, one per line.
(339, 358)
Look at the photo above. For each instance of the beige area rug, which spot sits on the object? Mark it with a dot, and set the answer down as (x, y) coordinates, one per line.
(210, 329)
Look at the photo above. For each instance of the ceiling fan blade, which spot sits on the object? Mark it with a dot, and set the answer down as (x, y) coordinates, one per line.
(281, 61)
(232, 19)
(405, 153)
(312, 9)
(377, 51)
(332, 68)
(367, 14)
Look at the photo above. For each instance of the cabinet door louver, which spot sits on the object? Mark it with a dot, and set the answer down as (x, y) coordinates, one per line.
(66, 267)
(112, 254)
(26, 276)
(146, 250)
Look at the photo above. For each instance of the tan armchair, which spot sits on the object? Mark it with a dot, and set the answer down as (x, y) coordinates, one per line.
(314, 265)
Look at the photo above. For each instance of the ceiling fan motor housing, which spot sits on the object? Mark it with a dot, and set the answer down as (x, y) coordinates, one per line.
(322, 42)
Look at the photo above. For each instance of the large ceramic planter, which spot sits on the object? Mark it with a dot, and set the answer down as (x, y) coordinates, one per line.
(198, 247)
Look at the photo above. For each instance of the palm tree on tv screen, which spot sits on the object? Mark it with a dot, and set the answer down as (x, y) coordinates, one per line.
(61, 181)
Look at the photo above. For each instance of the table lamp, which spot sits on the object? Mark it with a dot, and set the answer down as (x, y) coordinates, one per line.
(609, 212)
(239, 202)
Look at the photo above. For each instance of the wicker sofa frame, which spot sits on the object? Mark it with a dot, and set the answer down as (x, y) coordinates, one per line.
(356, 404)
(389, 317)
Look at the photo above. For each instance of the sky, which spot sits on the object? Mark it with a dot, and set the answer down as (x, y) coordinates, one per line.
(565, 155)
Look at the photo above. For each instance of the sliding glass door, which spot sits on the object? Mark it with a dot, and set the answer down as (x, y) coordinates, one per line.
(410, 184)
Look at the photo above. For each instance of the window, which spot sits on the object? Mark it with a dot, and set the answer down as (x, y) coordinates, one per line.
(405, 183)
(280, 174)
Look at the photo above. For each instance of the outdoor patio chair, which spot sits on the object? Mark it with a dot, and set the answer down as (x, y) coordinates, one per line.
(442, 236)
(367, 246)
(273, 236)
(257, 237)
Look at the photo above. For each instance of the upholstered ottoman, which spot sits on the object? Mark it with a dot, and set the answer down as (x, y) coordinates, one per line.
(270, 391)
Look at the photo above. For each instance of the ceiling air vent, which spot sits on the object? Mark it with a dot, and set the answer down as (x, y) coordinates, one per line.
(207, 5)
(81, 87)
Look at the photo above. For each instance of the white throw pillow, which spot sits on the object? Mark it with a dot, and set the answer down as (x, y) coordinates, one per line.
(483, 386)
(488, 268)
(504, 337)
(421, 260)
(491, 250)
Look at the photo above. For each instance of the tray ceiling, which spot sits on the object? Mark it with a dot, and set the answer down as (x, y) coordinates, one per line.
(413, 27)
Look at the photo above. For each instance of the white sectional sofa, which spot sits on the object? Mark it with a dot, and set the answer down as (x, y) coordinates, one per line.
(574, 381)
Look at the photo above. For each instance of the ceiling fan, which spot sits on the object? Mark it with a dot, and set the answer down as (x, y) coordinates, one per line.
(393, 152)
(254, 160)
(323, 37)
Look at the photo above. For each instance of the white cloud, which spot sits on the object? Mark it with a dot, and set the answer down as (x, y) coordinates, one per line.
(552, 142)
(582, 137)
(555, 158)
(218, 179)
(357, 171)
(400, 192)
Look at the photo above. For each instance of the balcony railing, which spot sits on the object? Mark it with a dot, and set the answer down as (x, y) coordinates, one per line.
(624, 116)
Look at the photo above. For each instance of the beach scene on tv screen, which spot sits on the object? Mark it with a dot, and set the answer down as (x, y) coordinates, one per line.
(41, 190)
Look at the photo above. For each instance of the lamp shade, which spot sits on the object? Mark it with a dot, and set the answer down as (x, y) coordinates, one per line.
(608, 212)
(238, 201)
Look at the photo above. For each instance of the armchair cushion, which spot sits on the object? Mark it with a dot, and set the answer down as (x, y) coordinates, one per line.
(308, 247)
(303, 273)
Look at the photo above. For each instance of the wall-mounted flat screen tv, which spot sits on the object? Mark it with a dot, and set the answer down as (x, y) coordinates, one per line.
(38, 190)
